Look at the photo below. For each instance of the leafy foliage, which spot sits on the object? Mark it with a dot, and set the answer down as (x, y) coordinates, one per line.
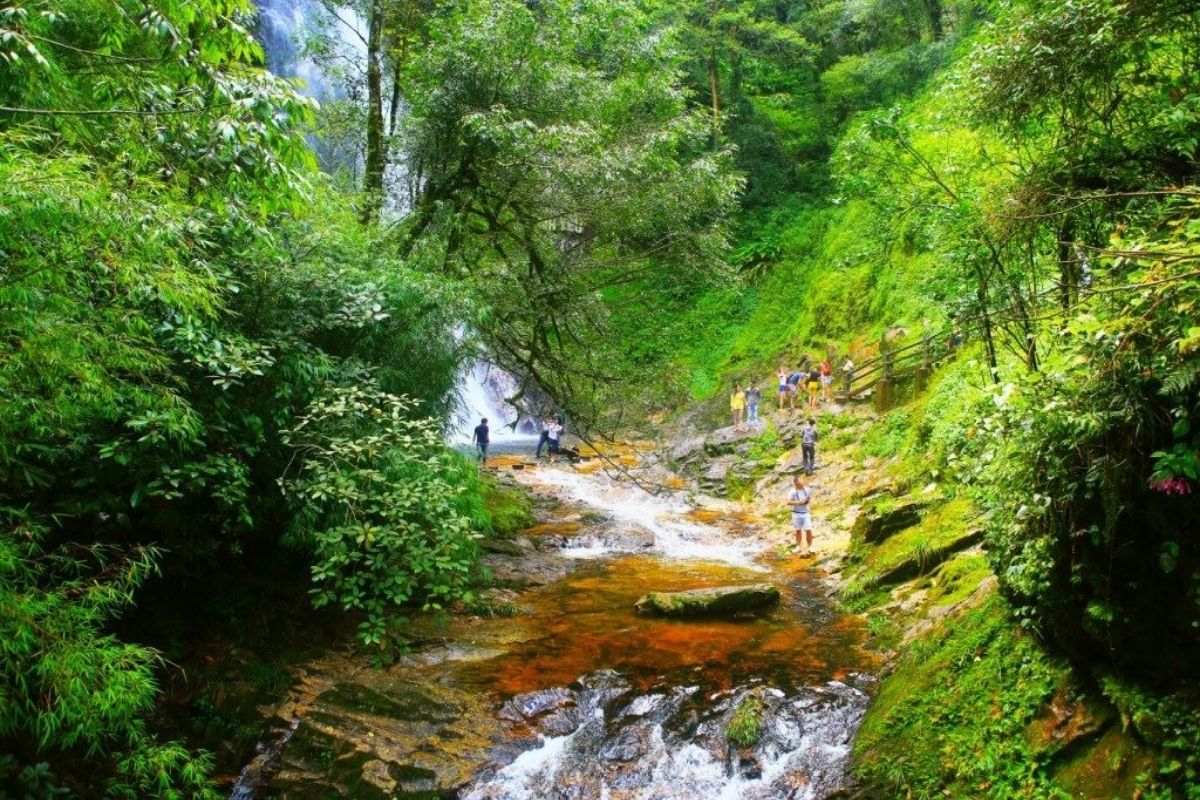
(382, 506)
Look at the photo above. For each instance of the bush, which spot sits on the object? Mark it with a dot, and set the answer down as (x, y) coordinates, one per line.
(382, 506)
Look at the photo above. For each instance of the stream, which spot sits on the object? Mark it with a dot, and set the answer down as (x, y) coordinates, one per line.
(577, 695)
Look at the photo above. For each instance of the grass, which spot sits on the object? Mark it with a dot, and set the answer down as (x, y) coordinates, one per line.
(745, 726)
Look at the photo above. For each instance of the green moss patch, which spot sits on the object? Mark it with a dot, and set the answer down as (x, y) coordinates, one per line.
(919, 549)
(951, 720)
(508, 508)
(745, 726)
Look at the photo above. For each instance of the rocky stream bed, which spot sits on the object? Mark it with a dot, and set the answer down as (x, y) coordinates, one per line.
(578, 695)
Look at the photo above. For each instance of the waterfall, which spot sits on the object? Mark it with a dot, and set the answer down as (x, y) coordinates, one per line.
(283, 25)
(482, 392)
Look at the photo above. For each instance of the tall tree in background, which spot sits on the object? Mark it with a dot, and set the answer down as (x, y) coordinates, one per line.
(554, 157)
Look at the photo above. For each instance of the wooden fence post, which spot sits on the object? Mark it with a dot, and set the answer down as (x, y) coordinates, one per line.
(885, 390)
(921, 379)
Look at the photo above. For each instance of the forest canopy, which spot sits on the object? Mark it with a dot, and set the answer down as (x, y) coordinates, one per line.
(219, 351)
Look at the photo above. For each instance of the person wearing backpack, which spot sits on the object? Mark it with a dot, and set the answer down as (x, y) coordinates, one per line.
(808, 445)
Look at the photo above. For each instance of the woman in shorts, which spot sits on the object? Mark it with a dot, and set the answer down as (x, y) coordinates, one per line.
(784, 395)
(814, 386)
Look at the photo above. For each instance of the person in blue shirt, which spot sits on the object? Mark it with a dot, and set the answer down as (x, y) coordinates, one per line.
(481, 439)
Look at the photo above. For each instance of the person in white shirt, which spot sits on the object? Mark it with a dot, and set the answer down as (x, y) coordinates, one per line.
(554, 434)
(798, 498)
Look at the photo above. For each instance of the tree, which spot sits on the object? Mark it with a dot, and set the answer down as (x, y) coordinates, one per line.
(542, 182)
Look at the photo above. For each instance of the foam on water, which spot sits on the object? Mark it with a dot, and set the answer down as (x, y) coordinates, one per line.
(663, 516)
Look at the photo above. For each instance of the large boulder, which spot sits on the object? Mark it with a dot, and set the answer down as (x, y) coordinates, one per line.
(723, 440)
(686, 450)
(875, 524)
(703, 602)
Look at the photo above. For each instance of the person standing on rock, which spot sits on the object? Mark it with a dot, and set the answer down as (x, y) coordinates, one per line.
(554, 431)
(737, 405)
(799, 498)
(814, 386)
(826, 381)
(480, 438)
(753, 398)
(808, 445)
(544, 439)
(785, 389)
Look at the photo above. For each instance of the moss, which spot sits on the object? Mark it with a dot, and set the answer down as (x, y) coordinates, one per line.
(917, 549)
(950, 720)
(508, 509)
(745, 726)
(698, 602)
(957, 579)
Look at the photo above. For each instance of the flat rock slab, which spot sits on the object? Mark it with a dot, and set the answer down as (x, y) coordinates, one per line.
(704, 602)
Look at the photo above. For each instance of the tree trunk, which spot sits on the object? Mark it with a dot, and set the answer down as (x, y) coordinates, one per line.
(376, 156)
(715, 90)
(1068, 265)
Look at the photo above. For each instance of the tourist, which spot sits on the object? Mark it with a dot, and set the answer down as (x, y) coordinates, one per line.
(814, 386)
(827, 381)
(737, 404)
(808, 445)
(794, 380)
(481, 438)
(553, 436)
(544, 438)
(784, 395)
(798, 498)
(753, 398)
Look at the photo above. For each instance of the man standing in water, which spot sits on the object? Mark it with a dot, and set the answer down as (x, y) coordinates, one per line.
(481, 439)
(808, 445)
(798, 498)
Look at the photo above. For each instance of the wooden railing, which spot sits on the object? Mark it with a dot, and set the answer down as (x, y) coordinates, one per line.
(896, 364)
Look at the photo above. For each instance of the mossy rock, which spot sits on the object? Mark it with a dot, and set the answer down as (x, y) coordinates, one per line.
(918, 550)
(706, 602)
(882, 520)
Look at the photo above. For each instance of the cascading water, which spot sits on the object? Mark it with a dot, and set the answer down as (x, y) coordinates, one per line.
(284, 25)
(482, 389)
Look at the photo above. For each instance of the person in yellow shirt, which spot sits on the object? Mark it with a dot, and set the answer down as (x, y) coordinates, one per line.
(737, 404)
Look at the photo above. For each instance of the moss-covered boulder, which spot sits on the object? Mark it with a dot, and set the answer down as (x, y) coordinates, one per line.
(879, 521)
(705, 602)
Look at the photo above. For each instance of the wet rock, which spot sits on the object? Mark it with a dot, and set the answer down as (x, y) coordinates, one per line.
(873, 525)
(687, 449)
(529, 705)
(713, 479)
(502, 546)
(1070, 717)
(723, 440)
(715, 600)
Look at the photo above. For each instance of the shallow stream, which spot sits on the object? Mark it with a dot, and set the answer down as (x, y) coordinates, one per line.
(578, 696)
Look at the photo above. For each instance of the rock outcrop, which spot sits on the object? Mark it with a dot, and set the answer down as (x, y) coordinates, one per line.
(704, 602)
